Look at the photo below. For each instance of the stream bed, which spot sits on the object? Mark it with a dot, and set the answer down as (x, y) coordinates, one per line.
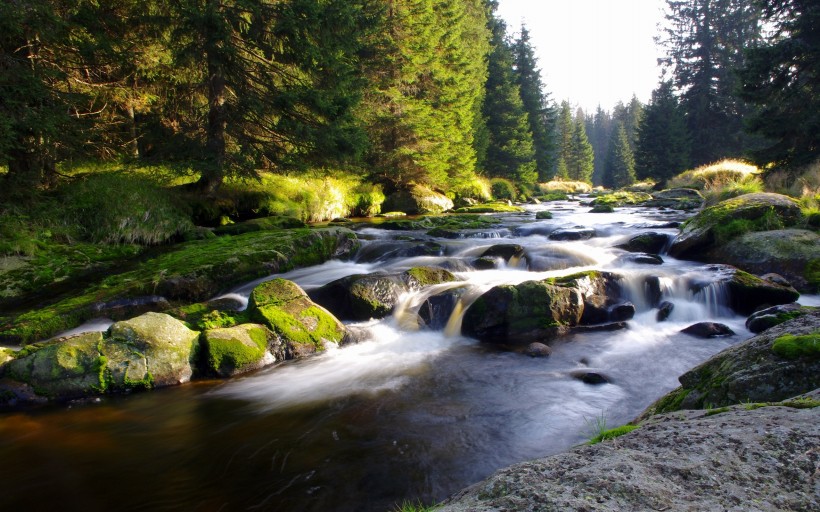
(408, 415)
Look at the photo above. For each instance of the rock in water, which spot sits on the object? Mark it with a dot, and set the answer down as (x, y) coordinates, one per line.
(664, 310)
(761, 320)
(303, 326)
(240, 349)
(708, 330)
(536, 349)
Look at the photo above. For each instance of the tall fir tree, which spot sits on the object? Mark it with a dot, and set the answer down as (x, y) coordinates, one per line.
(541, 113)
(620, 165)
(564, 132)
(705, 42)
(782, 78)
(423, 112)
(599, 138)
(663, 144)
(581, 159)
(510, 152)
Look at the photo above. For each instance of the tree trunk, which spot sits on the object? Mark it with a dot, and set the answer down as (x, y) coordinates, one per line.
(214, 173)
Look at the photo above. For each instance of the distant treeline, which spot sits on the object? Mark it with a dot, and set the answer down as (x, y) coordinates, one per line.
(434, 92)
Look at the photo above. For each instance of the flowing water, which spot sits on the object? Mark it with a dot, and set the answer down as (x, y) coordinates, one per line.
(408, 414)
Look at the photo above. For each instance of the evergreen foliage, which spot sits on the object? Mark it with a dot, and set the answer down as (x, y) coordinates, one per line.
(510, 152)
(599, 138)
(580, 161)
(620, 165)
(541, 114)
(663, 145)
(782, 78)
(705, 42)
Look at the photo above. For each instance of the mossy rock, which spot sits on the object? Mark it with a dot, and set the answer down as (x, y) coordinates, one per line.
(649, 243)
(303, 326)
(748, 293)
(792, 253)
(543, 215)
(260, 224)
(63, 369)
(192, 272)
(729, 219)
(497, 207)
(157, 350)
(677, 198)
(777, 364)
(6, 355)
(208, 315)
(536, 310)
(417, 199)
(622, 198)
(365, 296)
(602, 208)
(767, 318)
(236, 350)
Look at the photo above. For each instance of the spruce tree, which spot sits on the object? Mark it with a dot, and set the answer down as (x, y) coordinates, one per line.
(581, 159)
(663, 145)
(540, 113)
(620, 165)
(599, 138)
(564, 132)
(510, 152)
(782, 78)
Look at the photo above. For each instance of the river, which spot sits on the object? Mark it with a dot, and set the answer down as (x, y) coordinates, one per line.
(410, 414)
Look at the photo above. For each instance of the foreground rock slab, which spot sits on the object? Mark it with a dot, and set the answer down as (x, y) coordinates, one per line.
(753, 460)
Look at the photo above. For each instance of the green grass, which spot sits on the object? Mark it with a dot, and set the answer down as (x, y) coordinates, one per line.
(409, 506)
(612, 433)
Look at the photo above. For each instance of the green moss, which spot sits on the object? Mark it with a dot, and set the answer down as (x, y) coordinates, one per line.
(671, 401)
(427, 276)
(227, 354)
(801, 403)
(622, 198)
(294, 329)
(612, 433)
(543, 215)
(193, 271)
(798, 347)
(719, 410)
(201, 316)
(812, 273)
(490, 208)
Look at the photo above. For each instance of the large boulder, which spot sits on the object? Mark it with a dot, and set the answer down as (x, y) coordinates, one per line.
(650, 242)
(366, 296)
(792, 253)
(416, 200)
(537, 310)
(756, 459)
(723, 221)
(677, 198)
(151, 350)
(240, 349)
(303, 326)
(747, 292)
(779, 363)
(764, 319)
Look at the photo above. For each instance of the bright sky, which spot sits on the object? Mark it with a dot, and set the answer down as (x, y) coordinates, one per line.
(591, 52)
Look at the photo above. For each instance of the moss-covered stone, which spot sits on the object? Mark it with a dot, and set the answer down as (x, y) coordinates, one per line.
(6, 355)
(734, 217)
(497, 207)
(193, 271)
(543, 215)
(303, 326)
(749, 292)
(236, 350)
(261, 224)
(417, 199)
(66, 368)
(419, 277)
(204, 316)
(622, 198)
(602, 208)
(151, 350)
(796, 347)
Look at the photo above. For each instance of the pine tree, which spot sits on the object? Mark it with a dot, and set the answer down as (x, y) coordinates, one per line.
(540, 113)
(599, 138)
(564, 130)
(705, 43)
(510, 152)
(782, 78)
(663, 146)
(581, 159)
(620, 165)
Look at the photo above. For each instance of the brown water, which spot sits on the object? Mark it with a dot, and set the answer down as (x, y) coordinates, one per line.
(408, 415)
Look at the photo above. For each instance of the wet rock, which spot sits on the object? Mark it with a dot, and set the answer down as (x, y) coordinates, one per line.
(677, 198)
(366, 296)
(303, 326)
(455, 265)
(505, 251)
(486, 263)
(652, 290)
(536, 228)
(536, 349)
(650, 243)
(355, 334)
(604, 327)
(589, 377)
(641, 259)
(572, 234)
(747, 292)
(543, 215)
(750, 371)
(664, 310)
(708, 330)
(537, 310)
(554, 257)
(435, 312)
(621, 312)
(602, 208)
(702, 232)
(119, 309)
(445, 233)
(761, 320)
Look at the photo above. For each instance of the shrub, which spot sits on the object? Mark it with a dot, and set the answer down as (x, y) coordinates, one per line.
(503, 189)
(476, 188)
(713, 176)
(119, 207)
(568, 187)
